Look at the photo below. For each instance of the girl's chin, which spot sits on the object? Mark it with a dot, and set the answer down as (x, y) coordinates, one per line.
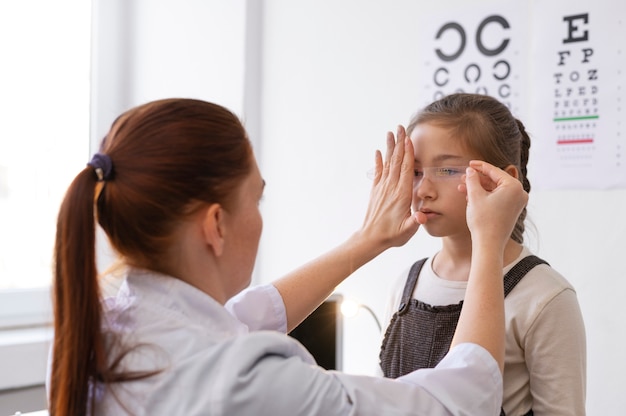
(433, 230)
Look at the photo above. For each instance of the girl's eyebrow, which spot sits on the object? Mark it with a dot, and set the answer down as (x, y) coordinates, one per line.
(447, 158)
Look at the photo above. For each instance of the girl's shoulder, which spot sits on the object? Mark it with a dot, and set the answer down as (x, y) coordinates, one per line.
(539, 276)
(540, 287)
(547, 276)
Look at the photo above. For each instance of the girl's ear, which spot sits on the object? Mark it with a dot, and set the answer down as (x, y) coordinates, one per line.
(213, 228)
(512, 170)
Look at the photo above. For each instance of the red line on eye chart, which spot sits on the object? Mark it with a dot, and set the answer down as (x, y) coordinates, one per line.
(575, 141)
(580, 140)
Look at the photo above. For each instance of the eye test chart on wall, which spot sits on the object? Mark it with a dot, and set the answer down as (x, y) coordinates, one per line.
(476, 49)
(578, 103)
(558, 65)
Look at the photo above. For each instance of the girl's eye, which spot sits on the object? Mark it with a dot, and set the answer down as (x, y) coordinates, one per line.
(439, 173)
(448, 171)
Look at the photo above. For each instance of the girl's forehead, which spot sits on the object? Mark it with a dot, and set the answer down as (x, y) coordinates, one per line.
(437, 144)
(430, 136)
(433, 133)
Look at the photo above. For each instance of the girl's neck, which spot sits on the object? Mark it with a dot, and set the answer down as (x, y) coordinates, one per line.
(454, 260)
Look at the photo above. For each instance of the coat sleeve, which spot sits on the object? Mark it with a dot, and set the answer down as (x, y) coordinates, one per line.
(260, 308)
(280, 379)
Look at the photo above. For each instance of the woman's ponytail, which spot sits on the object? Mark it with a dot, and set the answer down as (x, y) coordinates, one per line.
(77, 348)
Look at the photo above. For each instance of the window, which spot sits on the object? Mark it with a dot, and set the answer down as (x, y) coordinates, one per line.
(44, 139)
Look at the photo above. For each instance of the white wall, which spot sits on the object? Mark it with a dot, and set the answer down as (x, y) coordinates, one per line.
(336, 77)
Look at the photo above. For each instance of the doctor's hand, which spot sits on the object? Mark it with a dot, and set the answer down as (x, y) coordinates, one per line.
(495, 200)
(389, 220)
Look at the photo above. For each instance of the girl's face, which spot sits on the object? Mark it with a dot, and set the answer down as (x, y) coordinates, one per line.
(440, 162)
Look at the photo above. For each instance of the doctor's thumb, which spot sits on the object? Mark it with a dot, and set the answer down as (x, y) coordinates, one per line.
(472, 183)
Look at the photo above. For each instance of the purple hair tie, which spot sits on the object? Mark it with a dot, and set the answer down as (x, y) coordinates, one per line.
(103, 166)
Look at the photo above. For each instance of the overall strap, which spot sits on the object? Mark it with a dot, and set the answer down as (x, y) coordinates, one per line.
(517, 272)
(409, 286)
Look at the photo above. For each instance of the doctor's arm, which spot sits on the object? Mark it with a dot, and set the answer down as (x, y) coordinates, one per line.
(491, 216)
(388, 223)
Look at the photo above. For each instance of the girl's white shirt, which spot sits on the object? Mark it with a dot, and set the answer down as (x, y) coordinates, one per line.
(237, 360)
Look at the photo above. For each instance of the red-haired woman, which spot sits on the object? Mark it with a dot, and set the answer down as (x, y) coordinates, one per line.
(176, 189)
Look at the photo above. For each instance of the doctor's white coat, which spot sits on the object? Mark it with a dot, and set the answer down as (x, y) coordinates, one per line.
(237, 360)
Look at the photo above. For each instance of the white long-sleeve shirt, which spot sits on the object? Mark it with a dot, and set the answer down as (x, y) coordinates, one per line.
(234, 360)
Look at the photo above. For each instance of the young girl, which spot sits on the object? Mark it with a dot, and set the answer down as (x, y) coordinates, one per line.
(545, 359)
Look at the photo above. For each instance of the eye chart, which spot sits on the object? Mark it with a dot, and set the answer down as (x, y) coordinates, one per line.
(476, 50)
(578, 63)
(559, 65)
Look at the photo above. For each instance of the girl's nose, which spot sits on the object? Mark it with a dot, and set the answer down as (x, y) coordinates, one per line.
(424, 188)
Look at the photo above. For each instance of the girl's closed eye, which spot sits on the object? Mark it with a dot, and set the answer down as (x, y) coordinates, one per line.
(439, 172)
(450, 171)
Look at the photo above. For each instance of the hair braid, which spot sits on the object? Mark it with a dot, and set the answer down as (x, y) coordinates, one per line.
(524, 145)
(524, 151)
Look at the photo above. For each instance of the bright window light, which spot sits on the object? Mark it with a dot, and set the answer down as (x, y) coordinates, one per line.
(44, 128)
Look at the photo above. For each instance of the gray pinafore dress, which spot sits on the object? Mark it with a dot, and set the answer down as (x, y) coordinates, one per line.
(419, 335)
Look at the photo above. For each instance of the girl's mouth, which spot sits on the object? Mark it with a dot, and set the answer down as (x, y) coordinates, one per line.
(429, 213)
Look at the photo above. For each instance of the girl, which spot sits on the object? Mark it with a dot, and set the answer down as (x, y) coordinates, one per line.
(545, 361)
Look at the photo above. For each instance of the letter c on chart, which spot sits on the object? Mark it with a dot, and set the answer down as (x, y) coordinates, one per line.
(507, 70)
(458, 28)
(479, 34)
(468, 72)
(441, 83)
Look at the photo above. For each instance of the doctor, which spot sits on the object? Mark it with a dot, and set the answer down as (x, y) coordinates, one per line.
(176, 188)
